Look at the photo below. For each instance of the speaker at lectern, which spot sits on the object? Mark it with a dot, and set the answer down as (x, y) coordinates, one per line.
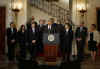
(51, 44)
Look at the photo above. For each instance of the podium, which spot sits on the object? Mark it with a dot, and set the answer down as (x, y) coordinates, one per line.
(51, 45)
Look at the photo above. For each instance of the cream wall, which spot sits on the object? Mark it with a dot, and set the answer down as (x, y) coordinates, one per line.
(37, 14)
(40, 14)
(22, 16)
(26, 13)
(4, 3)
(32, 11)
(90, 16)
(91, 13)
(63, 3)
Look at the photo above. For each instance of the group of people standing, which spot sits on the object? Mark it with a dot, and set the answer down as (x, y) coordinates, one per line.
(30, 37)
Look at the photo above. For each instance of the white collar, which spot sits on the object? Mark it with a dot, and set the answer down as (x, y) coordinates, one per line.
(67, 30)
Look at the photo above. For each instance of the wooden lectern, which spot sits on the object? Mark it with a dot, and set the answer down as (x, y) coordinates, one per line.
(51, 45)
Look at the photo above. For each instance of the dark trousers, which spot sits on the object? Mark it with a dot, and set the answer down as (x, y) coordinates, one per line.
(33, 51)
(40, 48)
(23, 50)
(67, 53)
(80, 48)
(11, 51)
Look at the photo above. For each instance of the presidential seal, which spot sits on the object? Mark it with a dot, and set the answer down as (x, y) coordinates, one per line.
(51, 37)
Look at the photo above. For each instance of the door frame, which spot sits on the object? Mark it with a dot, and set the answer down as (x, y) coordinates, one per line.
(4, 28)
(97, 8)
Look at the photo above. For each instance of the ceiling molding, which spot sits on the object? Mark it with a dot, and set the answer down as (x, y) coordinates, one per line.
(52, 0)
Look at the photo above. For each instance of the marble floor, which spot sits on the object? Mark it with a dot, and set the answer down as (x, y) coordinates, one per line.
(86, 64)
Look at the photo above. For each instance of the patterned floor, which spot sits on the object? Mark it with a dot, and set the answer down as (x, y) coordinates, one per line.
(87, 64)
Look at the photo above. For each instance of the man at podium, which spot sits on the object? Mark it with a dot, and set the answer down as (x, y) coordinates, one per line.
(51, 27)
(51, 41)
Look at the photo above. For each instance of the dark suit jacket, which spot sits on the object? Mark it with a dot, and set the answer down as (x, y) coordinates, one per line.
(53, 29)
(29, 25)
(81, 34)
(40, 29)
(22, 37)
(33, 36)
(67, 40)
(11, 35)
(56, 28)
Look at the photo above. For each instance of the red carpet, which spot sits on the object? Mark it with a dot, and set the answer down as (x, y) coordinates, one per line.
(42, 54)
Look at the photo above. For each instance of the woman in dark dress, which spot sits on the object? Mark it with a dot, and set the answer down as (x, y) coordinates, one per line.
(93, 41)
(67, 43)
(22, 41)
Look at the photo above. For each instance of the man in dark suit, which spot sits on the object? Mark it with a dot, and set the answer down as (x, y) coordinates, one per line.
(67, 42)
(33, 38)
(11, 41)
(40, 28)
(32, 20)
(50, 27)
(81, 35)
(53, 21)
(41, 23)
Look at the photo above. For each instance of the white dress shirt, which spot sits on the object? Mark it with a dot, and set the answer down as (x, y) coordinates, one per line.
(33, 29)
(67, 30)
(49, 27)
(81, 28)
(11, 29)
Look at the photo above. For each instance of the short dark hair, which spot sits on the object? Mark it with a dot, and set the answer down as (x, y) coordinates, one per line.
(94, 25)
(82, 23)
(33, 23)
(11, 23)
(52, 19)
(68, 24)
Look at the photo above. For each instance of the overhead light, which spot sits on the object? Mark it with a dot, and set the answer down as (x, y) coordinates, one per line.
(52, 0)
(17, 6)
(65, 0)
(81, 8)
